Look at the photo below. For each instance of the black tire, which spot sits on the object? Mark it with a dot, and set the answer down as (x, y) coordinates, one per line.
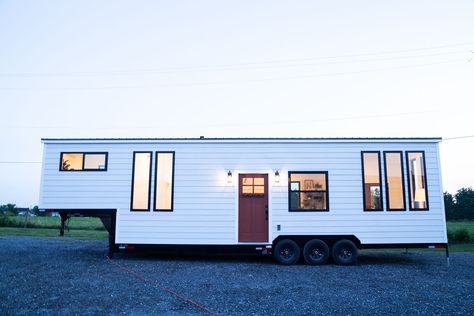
(345, 252)
(316, 252)
(287, 252)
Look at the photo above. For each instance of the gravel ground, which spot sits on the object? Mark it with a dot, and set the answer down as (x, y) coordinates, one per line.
(68, 276)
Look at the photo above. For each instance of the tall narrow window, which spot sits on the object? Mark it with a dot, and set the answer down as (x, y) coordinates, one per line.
(141, 179)
(164, 178)
(418, 193)
(371, 181)
(394, 182)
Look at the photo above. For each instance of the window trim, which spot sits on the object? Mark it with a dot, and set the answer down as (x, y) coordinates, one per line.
(381, 209)
(425, 182)
(326, 191)
(387, 199)
(133, 181)
(156, 180)
(84, 153)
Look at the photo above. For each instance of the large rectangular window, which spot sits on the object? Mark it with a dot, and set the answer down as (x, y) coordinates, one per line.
(394, 182)
(164, 181)
(141, 179)
(371, 180)
(308, 191)
(418, 193)
(91, 161)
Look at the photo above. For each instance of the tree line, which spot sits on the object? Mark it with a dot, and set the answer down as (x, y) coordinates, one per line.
(459, 206)
(12, 210)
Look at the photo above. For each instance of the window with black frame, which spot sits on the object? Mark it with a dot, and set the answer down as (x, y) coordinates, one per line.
(372, 181)
(83, 161)
(308, 191)
(417, 185)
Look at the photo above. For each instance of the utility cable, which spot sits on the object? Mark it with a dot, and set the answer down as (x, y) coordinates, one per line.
(231, 82)
(251, 66)
(458, 137)
(194, 68)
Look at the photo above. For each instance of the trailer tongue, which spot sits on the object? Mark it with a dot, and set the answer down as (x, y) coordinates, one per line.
(106, 216)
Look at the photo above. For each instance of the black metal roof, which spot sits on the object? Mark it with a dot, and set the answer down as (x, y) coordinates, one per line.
(242, 138)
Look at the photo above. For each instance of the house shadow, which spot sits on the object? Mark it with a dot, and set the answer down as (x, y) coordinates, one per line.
(195, 255)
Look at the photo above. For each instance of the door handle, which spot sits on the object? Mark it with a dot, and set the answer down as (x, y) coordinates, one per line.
(266, 212)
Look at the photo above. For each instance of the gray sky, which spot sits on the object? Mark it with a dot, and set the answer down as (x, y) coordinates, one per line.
(233, 68)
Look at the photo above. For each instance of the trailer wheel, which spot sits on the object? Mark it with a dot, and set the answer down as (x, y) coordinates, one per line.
(316, 252)
(287, 252)
(345, 252)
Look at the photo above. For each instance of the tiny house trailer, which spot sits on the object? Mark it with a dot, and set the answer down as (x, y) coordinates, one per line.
(315, 198)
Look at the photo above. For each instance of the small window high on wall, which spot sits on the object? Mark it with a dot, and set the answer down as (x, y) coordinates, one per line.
(91, 161)
(164, 181)
(371, 179)
(417, 188)
(141, 179)
(394, 181)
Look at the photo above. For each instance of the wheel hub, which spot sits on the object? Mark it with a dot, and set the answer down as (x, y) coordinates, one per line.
(286, 253)
(316, 253)
(345, 253)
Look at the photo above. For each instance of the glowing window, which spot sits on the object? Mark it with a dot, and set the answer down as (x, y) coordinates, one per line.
(141, 181)
(94, 161)
(71, 161)
(83, 162)
(394, 181)
(253, 185)
(308, 191)
(164, 181)
(371, 181)
(417, 187)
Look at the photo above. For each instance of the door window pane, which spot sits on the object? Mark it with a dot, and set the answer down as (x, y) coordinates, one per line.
(259, 189)
(253, 186)
(164, 181)
(371, 180)
(141, 181)
(247, 189)
(247, 181)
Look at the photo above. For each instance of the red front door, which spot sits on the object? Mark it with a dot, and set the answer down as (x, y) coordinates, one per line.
(253, 207)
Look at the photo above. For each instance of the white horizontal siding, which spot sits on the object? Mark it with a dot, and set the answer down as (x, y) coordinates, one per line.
(205, 206)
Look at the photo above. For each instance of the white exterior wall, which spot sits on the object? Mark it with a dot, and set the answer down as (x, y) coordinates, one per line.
(206, 206)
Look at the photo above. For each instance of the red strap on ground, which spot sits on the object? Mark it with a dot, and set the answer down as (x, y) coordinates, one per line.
(161, 287)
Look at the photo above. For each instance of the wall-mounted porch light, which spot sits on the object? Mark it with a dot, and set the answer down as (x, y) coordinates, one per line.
(277, 176)
(229, 177)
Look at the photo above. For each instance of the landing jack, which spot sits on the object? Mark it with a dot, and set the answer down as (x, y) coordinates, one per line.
(64, 222)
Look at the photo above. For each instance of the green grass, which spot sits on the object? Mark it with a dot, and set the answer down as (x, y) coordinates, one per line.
(464, 247)
(458, 225)
(42, 226)
(84, 223)
(50, 232)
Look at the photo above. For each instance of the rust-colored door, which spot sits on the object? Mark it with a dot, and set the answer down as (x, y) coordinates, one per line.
(253, 207)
